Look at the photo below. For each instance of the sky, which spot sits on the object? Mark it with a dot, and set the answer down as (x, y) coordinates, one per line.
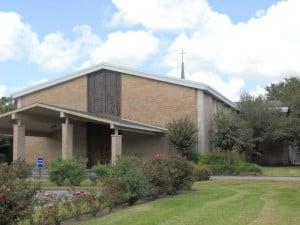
(232, 45)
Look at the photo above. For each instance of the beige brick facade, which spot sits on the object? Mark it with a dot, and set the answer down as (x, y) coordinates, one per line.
(144, 145)
(72, 95)
(50, 147)
(155, 102)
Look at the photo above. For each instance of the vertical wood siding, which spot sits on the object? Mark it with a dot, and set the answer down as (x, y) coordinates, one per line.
(104, 92)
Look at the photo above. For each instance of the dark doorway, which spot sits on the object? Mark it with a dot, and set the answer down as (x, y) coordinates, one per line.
(6, 151)
(99, 144)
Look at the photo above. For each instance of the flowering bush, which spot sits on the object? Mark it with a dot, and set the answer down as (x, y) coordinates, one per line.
(16, 196)
(156, 173)
(21, 169)
(168, 174)
(126, 184)
(67, 172)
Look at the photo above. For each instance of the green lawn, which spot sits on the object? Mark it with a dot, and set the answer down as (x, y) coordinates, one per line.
(217, 203)
(281, 171)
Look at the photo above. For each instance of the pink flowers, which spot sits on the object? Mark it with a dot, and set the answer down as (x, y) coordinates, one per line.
(3, 197)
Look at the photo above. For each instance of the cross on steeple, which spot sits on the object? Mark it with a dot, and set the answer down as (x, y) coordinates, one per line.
(182, 64)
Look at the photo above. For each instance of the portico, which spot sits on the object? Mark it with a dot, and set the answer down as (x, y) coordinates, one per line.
(72, 133)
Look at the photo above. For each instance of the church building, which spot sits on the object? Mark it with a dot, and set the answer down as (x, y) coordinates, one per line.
(105, 111)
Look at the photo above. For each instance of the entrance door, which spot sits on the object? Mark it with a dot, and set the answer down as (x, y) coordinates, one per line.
(99, 144)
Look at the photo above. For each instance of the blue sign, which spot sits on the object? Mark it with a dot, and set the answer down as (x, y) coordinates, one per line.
(40, 162)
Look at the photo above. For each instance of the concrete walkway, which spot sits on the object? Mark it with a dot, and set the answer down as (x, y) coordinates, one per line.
(259, 178)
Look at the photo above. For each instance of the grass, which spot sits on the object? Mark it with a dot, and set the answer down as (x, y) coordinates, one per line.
(217, 203)
(292, 171)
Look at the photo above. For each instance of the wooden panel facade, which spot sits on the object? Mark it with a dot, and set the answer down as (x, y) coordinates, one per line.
(104, 93)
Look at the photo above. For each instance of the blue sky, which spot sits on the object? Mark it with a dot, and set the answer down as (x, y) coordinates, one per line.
(229, 44)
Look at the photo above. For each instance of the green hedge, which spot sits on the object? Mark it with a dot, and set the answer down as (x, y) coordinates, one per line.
(234, 166)
(65, 172)
(202, 172)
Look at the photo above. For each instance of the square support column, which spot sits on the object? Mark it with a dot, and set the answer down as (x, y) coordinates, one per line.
(116, 146)
(202, 148)
(67, 141)
(19, 142)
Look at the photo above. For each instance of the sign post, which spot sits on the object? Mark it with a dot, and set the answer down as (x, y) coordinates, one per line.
(40, 164)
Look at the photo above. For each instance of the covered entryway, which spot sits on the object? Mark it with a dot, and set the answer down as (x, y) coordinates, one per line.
(62, 133)
(99, 144)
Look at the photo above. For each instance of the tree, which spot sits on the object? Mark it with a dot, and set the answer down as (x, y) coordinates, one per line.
(288, 93)
(265, 120)
(7, 104)
(182, 135)
(231, 133)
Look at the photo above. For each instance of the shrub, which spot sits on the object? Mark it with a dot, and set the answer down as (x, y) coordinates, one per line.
(236, 168)
(249, 169)
(168, 175)
(156, 173)
(67, 172)
(194, 156)
(212, 158)
(102, 171)
(22, 169)
(233, 166)
(16, 196)
(126, 183)
(182, 135)
(181, 173)
(201, 172)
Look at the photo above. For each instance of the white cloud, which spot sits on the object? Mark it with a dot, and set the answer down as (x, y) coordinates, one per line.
(129, 48)
(161, 14)
(260, 13)
(264, 47)
(56, 53)
(3, 90)
(230, 88)
(16, 38)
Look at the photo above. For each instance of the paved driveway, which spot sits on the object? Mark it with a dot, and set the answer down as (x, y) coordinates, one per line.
(262, 178)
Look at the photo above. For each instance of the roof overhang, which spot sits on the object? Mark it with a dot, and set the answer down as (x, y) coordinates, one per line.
(129, 71)
(41, 119)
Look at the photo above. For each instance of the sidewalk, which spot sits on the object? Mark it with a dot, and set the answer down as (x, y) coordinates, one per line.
(259, 178)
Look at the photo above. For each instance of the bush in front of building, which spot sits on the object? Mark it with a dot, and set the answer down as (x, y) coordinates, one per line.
(167, 175)
(22, 169)
(233, 166)
(201, 172)
(16, 196)
(126, 183)
(67, 172)
(102, 171)
(182, 135)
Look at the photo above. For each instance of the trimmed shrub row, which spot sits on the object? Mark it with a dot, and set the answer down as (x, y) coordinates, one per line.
(234, 166)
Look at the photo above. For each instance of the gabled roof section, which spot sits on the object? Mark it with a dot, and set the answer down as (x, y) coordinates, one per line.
(129, 71)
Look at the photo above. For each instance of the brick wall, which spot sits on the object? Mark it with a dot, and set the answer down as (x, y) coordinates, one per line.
(71, 94)
(155, 102)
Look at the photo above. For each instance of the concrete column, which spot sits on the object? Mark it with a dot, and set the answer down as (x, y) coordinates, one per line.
(67, 141)
(201, 122)
(19, 142)
(116, 146)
